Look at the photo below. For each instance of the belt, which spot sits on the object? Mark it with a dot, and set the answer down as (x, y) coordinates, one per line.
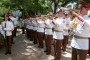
(35, 26)
(41, 27)
(80, 37)
(30, 25)
(48, 28)
(58, 31)
(65, 30)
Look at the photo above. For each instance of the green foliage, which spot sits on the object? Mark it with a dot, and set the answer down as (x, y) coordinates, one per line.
(1, 18)
(1, 40)
(29, 7)
(88, 1)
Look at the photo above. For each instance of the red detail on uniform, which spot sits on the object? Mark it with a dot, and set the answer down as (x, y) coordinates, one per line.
(53, 22)
(80, 18)
(45, 23)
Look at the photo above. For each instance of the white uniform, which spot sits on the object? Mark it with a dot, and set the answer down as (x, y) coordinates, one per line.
(83, 31)
(58, 28)
(41, 26)
(9, 26)
(30, 26)
(48, 27)
(34, 25)
(67, 27)
(14, 20)
(1, 31)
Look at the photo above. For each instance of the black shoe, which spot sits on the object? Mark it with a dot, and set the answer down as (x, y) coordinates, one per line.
(31, 40)
(6, 53)
(39, 46)
(12, 42)
(34, 42)
(63, 50)
(9, 53)
(45, 51)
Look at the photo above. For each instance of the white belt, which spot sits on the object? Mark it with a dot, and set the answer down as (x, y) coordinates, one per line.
(80, 37)
(48, 28)
(58, 31)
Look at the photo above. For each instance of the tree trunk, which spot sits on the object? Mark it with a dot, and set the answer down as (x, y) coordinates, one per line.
(55, 5)
(65, 3)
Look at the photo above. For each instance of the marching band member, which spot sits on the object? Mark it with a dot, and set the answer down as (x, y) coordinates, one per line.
(27, 28)
(40, 30)
(58, 33)
(89, 40)
(8, 28)
(34, 21)
(15, 22)
(80, 41)
(30, 33)
(48, 34)
(66, 32)
(1, 30)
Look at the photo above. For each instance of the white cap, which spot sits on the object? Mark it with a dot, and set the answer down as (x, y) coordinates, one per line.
(60, 10)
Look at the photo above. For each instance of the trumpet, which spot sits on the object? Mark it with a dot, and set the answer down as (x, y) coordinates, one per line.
(80, 18)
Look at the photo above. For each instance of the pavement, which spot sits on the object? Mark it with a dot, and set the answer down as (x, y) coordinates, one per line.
(23, 49)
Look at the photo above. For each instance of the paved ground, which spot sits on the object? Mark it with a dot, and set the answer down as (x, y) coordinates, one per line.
(23, 49)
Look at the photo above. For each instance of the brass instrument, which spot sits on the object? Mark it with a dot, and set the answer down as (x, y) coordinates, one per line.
(74, 23)
(80, 18)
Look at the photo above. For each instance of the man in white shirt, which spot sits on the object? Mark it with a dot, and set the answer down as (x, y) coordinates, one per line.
(58, 33)
(34, 21)
(27, 28)
(40, 31)
(8, 28)
(15, 22)
(80, 41)
(66, 32)
(48, 34)
(30, 29)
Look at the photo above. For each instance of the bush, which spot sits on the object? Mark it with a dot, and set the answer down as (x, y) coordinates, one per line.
(1, 40)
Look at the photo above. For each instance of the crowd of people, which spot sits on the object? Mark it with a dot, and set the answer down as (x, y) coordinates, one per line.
(53, 29)
(57, 29)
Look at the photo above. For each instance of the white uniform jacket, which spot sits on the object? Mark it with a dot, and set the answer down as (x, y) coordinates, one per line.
(30, 27)
(41, 26)
(48, 27)
(67, 27)
(82, 31)
(59, 28)
(8, 28)
(1, 31)
(34, 25)
(14, 20)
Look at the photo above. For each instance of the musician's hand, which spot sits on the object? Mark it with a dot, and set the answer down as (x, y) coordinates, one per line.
(56, 25)
(11, 30)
